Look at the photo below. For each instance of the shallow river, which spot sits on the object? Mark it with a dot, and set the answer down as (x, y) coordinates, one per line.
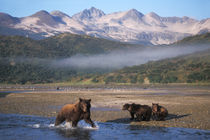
(25, 127)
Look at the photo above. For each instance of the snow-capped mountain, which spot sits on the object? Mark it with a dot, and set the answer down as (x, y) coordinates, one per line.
(127, 26)
(89, 14)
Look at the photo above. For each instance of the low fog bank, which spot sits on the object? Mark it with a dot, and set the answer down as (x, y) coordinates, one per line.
(120, 59)
(110, 61)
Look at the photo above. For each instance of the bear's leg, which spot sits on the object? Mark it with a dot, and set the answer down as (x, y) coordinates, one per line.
(144, 116)
(156, 116)
(162, 118)
(74, 123)
(159, 118)
(132, 116)
(59, 119)
(139, 117)
(90, 122)
(148, 116)
(153, 116)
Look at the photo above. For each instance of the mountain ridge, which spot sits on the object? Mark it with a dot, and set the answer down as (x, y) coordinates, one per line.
(127, 26)
(89, 14)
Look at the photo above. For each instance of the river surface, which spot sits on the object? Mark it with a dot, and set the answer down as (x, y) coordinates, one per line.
(26, 127)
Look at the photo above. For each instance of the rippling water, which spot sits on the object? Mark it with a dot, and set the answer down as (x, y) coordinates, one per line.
(24, 127)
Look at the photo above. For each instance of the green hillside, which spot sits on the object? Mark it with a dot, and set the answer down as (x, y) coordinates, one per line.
(61, 46)
(195, 40)
(192, 68)
(23, 60)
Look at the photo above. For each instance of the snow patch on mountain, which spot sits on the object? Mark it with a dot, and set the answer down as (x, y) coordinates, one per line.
(126, 26)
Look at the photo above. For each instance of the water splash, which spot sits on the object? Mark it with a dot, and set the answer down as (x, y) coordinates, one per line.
(65, 126)
(24, 127)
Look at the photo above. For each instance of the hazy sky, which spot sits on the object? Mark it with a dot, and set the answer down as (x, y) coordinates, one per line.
(198, 9)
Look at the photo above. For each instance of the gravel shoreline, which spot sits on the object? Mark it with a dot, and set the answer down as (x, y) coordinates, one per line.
(188, 107)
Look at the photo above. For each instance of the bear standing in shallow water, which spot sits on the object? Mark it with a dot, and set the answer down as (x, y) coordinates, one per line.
(158, 112)
(75, 112)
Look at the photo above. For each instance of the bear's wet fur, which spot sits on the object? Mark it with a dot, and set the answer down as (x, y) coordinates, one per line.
(159, 113)
(75, 112)
(142, 112)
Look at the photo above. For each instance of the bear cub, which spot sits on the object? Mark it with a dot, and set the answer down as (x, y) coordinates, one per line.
(159, 113)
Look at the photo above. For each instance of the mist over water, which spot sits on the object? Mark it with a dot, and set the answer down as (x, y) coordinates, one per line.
(120, 59)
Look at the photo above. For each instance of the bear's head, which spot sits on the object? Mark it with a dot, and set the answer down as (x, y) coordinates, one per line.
(126, 106)
(85, 104)
(132, 107)
(155, 107)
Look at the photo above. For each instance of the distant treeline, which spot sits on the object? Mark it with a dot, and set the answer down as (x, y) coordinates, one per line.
(192, 68)
(61, 46)
(23, 60)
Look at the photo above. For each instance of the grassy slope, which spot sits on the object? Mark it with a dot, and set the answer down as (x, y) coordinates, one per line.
(194, 40)
(193, 68)
(20, 57)
(64, 45)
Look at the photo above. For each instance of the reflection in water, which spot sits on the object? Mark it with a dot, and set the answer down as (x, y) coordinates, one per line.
(32, 127)
(75, 133)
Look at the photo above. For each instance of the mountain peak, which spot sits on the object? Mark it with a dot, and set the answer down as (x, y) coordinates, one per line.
(153, 19)
(126, 26)
(153, 16)
(40, 13)
(58, 13)
(94, 9)
(133, 14)
(6, 19)
(89, 14)
(45, 18)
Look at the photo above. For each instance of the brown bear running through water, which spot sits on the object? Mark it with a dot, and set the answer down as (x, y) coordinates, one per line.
(75, 112)
(142, 112)
(158, 112)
